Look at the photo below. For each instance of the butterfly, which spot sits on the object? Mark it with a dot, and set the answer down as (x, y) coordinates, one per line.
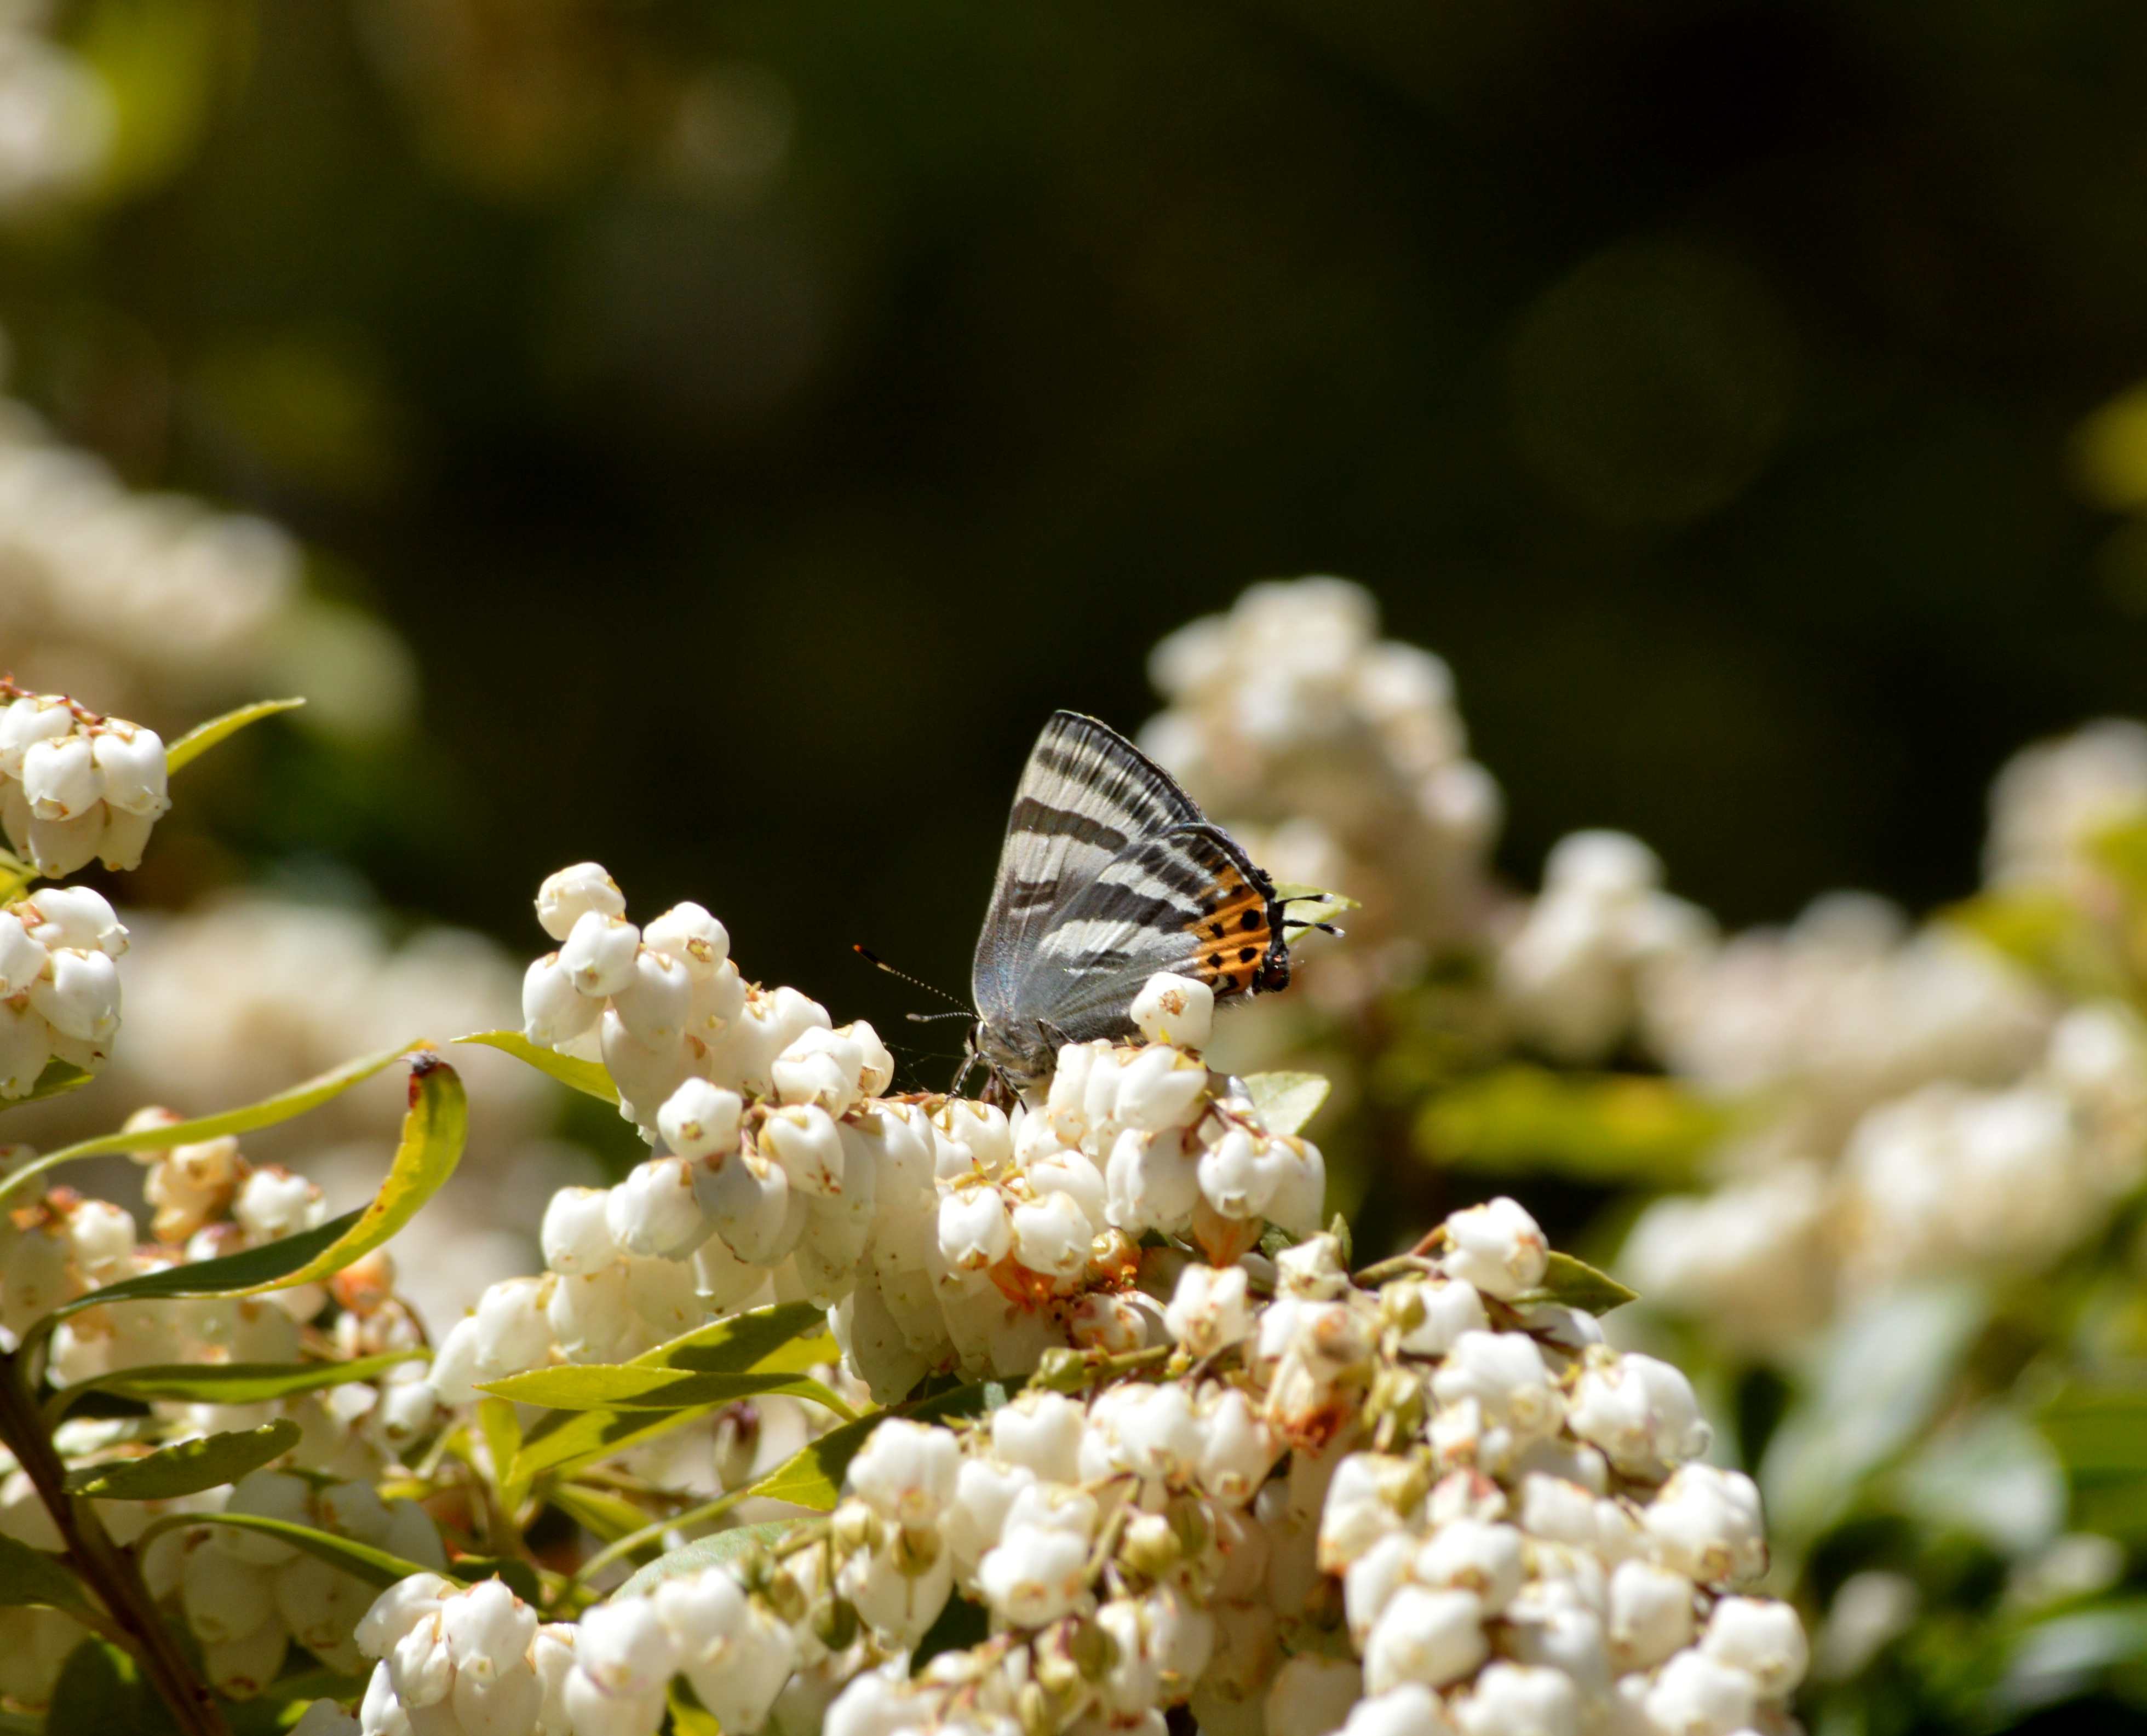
(1110, 873)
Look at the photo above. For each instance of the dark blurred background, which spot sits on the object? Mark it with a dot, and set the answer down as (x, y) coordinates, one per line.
(757, 417)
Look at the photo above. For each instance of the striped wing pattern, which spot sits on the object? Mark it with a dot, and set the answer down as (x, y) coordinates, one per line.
(1110, 874)
(1084, 795)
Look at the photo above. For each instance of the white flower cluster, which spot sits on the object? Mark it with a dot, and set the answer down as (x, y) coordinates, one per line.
(75, 787)
(57, 120)
(245, 995)
(211, 1202)
(462, 1662)
(154, 599)
(247, 1596)
(1927, 1109)
(2051, 802)
(59, 983)
(1573, 972)
(943, 1233)
(1440, 1505)
(1340, 760)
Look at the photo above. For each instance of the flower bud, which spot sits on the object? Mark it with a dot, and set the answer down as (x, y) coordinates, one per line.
(577, 1234)
(689, 935)
(701, 1120)
(130, 762)
(803, 1138)
(1175, 1009)
(598, 953)
(654, 1212)
(974, 1229)
(60, 780)
(79, 998)
(655, 1000)
(1496, 1247)
(567, 896)
(554, 1012)
(74, 917)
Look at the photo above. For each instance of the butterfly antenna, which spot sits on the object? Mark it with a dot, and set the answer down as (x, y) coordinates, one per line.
(962, 1009)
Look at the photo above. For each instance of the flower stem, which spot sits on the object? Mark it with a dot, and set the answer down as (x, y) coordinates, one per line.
(106, 1568)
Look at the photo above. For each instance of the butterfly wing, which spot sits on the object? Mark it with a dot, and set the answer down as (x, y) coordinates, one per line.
(1187, 900)
(1086, 794)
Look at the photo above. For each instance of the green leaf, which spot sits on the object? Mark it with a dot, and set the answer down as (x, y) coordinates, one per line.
(597, 1511)
(2099, 1435)
(375, 1567)
(231, 1383)
(584, 1076)
(2062, 1657)
(1577, 1285)
(1604, 1128)
(30, 1576)
(2099, 1431)
(1286, 1101)
(281, 1106)
(432, 1145)
(812, 1476)
(188, 1467)
(57, 1080)
(510, 1570)
(100, 1692)
(1988, 1474)
(689, 1717)
(785, 1338)
(1876, 1381)
(601, 1387)
(502, 1432)
(433, 1130)
(2047, 935)
(960, 1625)
(252, 1269)
(203, 736)
(15, 875)
(710, 1551)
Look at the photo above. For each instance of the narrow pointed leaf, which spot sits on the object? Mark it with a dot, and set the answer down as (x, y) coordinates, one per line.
(375, 1567)
(1613, 1128)
(233, 1383)
(598, 1511)
(253, 1269)
(57, 1080)
(785, 1338)
(584, 1076)
(1577, 1285)
(281, 1106)
(203, 736)
(433, 1130)
(188, 1467)
(432, 1145)
(713, 1550)
(30, 1576)
(621, 1388)
(1286, 1101)
(515, 1574)
(689, 1717)
(812, 1476)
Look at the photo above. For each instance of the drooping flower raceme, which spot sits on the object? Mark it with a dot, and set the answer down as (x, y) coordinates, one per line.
(1242, 1482)
(74, 787)
(59, 983)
